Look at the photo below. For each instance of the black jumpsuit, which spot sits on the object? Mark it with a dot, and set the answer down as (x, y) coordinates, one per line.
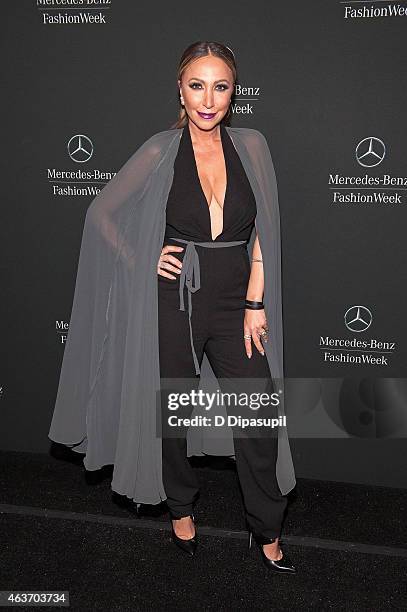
(217, 327)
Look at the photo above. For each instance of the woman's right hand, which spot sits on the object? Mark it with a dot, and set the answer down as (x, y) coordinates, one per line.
(169, 262)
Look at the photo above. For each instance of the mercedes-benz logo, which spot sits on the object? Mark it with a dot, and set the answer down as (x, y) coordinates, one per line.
(370, 152)
(358, 318)
(80, 148)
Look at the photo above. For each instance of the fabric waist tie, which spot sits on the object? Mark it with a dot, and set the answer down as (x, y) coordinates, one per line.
(191, 277)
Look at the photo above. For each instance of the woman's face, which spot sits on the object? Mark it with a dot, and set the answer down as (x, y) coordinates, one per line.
(207, 87)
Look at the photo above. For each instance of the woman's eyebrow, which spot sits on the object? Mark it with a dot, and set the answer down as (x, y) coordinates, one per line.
(203, 81)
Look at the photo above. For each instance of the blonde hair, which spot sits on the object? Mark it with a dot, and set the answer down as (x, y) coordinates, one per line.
(195, 51)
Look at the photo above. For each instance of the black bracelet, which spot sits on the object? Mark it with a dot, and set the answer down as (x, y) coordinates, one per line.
(253, 305)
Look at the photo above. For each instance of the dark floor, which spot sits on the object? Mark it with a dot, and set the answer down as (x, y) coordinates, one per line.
(64, 529)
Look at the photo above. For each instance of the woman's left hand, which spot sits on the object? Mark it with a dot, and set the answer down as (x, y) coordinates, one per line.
(255, 323)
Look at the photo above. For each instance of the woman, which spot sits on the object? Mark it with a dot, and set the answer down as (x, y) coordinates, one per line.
(199, 183)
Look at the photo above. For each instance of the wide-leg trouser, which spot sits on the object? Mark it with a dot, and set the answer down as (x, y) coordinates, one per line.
(217, 323)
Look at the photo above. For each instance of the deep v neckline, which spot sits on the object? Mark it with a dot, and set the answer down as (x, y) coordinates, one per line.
(204, 200)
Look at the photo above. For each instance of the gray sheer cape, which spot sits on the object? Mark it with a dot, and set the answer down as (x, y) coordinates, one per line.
(105, 404)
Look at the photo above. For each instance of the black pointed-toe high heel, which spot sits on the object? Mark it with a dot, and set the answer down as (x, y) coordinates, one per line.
(282, 566)
(189, 546)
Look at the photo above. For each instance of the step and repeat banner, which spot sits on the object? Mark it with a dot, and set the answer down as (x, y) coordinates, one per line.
(86, 82)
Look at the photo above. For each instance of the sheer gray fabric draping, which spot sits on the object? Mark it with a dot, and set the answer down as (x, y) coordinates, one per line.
(106, 400)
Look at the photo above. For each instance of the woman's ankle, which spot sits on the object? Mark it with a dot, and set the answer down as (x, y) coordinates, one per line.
(184, 526)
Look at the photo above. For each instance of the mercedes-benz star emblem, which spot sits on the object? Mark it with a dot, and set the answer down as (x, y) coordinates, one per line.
(80, 148)
(358, 318)
(370, 152)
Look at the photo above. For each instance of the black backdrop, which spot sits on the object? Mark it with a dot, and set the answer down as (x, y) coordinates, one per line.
(327, 87)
